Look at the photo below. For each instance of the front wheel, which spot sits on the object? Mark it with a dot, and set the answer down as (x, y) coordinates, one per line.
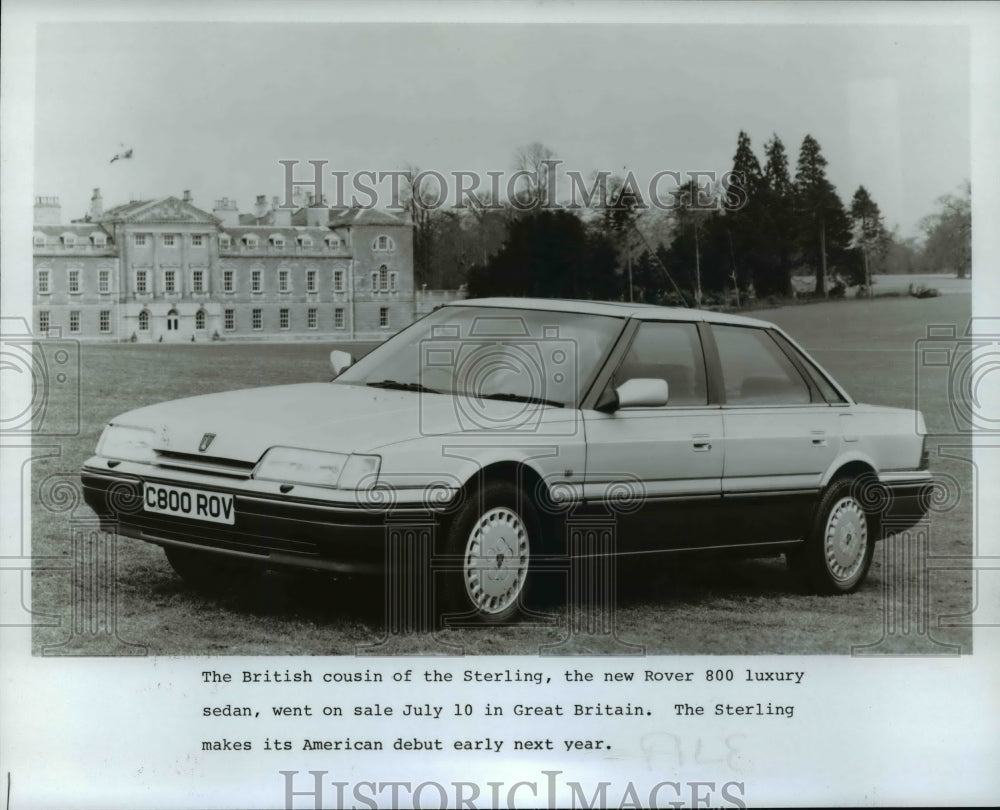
(838, 551)
(490, 545)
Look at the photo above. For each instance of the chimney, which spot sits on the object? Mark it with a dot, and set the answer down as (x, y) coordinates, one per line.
(282, 217)
(186, 197)
(260, 207)
(317, 214)
(96, 205)
(226, 211)
(48, 211)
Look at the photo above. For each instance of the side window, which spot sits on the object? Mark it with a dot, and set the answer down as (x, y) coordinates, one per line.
(755, 371)
(671, 352)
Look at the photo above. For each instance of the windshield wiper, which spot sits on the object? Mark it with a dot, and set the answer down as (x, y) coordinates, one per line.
(402, 386)
(520, 398)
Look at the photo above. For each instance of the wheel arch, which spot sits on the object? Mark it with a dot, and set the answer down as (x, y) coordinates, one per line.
(850, 466)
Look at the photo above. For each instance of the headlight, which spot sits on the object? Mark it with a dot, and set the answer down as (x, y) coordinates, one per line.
(316, 468)
(126, 443)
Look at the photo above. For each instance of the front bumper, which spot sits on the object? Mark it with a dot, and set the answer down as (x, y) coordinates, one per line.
(269, 530)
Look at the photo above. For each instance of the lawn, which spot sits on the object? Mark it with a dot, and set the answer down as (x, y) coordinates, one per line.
(668, 605)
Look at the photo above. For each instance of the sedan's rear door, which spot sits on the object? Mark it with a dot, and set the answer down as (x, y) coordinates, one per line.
(781, 436)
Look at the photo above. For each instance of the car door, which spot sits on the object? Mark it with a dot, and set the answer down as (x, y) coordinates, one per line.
(658, 470)
(781, 436)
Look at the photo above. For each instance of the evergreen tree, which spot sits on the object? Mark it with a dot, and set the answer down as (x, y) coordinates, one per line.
(870, 236)
(824, 228)
(777, 220)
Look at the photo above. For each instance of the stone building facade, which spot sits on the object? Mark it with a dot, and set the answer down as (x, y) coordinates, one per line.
(165, 270)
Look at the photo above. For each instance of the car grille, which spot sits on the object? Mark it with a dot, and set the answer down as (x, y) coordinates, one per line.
(228, 467)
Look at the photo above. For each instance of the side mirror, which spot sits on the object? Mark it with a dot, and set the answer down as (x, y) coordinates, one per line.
(340, 361)
(640, 392)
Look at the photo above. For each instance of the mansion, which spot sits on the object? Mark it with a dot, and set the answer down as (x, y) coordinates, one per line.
(165, 270)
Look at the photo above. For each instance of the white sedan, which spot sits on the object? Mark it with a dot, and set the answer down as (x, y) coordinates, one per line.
(497, 428)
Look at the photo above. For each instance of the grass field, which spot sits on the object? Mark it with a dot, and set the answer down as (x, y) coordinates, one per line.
(667, 605)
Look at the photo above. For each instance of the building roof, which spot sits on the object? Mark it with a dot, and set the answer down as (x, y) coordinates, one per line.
(346, 217)
(165, 209)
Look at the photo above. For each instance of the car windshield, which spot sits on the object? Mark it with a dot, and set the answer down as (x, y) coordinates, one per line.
(493, 352)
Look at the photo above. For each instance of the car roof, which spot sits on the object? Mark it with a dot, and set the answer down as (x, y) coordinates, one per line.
(618, 309)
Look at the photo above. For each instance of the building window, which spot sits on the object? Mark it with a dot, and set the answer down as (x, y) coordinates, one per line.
(39, 240)
(311, 318)
(333, 241)
(74, 321)
(168, 240)
(383, 317)
(170, 281)
(198, 281)
(250, 242)
(141, 286)
(43, 322)
(173, 321)
(104, 281)
(199, 319)
(105, 320)
(383, 278)
(278, 241)
(305, 241)
(43, 282)
(255, 281)
(227, 281)
(197, 240)
(69, 241)
(139, 240)
(74, 281)
(374, 281)
(383, 243)
(257, 319)
(225, 242)
(100, 241)
(282, 318)
(338, 318)
(338, 281)
(283, 281)
(229, 320)
(311, 281)
(392, 281)
(144, 321)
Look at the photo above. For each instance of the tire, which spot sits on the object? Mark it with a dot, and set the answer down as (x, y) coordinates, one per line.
(203, 571)
(838, 550)
(490, 542)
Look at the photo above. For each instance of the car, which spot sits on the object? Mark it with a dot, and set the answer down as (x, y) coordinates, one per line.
(488, 437)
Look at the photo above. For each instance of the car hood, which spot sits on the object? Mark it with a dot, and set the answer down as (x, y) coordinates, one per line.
(321, 416)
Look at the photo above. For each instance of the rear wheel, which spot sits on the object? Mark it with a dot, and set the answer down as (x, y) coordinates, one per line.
(838, 551)
(490, 545)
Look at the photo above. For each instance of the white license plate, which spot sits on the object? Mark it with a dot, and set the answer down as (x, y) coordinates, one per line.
(196, 504)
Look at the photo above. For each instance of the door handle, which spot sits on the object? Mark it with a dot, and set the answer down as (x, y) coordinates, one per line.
(701, 443)
(819, 438)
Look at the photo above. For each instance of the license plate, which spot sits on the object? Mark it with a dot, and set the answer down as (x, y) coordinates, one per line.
(196, 504)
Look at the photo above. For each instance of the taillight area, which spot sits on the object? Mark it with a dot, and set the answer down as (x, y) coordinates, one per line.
(925, 456)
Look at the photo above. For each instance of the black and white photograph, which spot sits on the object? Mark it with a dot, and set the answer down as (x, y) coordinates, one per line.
(512, 405)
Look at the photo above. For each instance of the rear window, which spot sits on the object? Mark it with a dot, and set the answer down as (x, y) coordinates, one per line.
(755, 371)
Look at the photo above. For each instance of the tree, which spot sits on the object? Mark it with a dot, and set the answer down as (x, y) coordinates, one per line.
(548, 254)
(777, 219)
(870, 236)
(824, 228)
(535, 161)
(949, 234)
(742, 201)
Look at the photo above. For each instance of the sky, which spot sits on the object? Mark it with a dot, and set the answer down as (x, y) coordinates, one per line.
(213, 107)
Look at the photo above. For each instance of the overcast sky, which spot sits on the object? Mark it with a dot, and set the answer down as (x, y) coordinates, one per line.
(213, 107)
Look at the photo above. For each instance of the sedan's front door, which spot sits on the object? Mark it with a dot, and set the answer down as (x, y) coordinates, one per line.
(658, 470)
